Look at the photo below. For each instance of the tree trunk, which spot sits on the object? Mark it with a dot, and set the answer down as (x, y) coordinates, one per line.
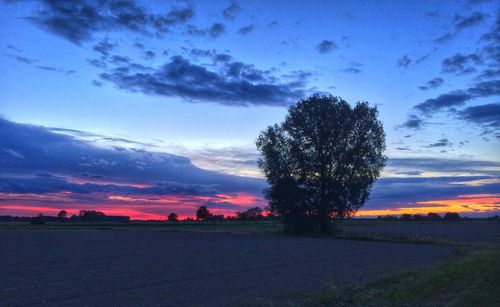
(324, 221)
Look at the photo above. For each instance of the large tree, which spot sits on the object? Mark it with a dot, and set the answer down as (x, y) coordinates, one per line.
(321, 161)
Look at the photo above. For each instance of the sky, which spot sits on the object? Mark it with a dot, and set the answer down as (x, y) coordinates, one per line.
(151, 107)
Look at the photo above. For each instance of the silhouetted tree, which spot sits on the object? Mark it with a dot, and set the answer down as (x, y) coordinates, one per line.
(62, 215)
(451, 216)
(253, 214)
(216, 217)
(203, 213)
(418, 217)
(433, 216)
(406, 217)
(321, 161)
(38, 220)
(172, 217)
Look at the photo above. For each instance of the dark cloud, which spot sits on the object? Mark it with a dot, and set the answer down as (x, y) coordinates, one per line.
(238, 84)
(22, 59)
(326, 46)
(54, 69)
(432, 14)
(149, 54)
(196, 53)
(461, 64)
(432, 84)
(354, 68)
(231, 11)
(444, 142)
(246, 29)
(12, 47)
(458, 98)
(104, 47)
(97, 63)
(400, 192)
(404, 61)
(488, 74)
(413, 122)
(78, 21)
(222, 57)
(443, 101)
(27, 151)
(138, 45)
(485, 168)
(460, 23)
(486, 115)
(216, 30)
(405, 192)
(273, 24)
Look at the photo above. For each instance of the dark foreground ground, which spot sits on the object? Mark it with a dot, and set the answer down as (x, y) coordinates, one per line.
(137, 268)
(463, 231)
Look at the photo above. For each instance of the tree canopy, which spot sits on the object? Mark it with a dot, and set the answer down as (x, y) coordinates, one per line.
(321, 161)
(202, 213)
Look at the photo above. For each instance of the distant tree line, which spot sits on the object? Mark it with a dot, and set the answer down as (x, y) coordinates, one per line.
(62, 216)
(449, 216)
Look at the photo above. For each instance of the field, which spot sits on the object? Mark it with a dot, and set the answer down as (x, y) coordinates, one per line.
(210, 265)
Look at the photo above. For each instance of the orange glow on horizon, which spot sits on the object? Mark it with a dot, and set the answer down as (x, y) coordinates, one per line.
(461, 204)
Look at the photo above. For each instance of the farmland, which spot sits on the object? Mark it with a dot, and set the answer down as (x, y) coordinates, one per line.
(205, 264)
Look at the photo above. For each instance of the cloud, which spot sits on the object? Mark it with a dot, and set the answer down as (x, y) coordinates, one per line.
(231, 11)
(148, 54)
(444, 142)
(432, 84)
(460, 23)
(237, 84)
(54, 69)
(246, 29)
(42, 168)
(443, 101)
(326, 46)
(413, 122)
(458, 98)
(486, 115)
(22, 59)
(404, 61)
(488, 74)
(37, 160)
(446, 167)
(216, 30)
(78, 21)
(104, 47)
(273, 24)
(354, 68)
(461, 64)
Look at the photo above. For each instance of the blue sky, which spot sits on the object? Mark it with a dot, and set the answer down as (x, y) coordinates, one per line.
(200, 80)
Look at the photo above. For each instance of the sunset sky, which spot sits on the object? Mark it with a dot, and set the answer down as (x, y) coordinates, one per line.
(146, 108)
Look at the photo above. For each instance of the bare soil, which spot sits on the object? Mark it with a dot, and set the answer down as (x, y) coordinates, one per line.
(154, 268)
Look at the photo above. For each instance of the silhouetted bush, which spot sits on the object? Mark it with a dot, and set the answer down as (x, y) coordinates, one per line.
(62, 215)
(172, 217)
(406, 217)
(433, 216)
(38, 220)
(452, 216)
(252, 214)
